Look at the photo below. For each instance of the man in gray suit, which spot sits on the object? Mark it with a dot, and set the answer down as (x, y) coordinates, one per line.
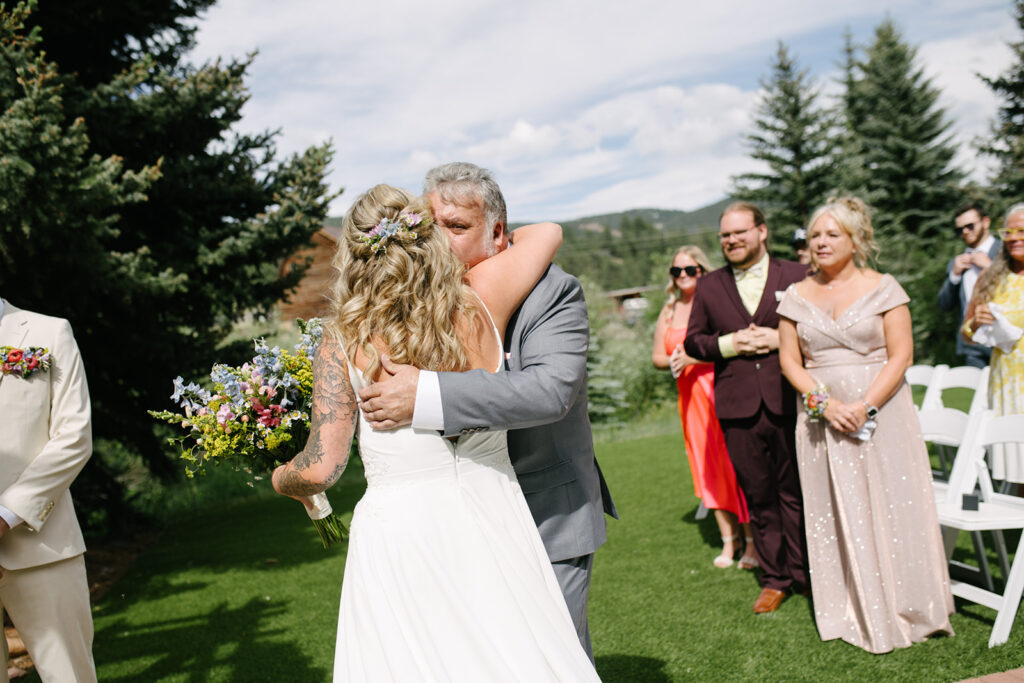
(971, 224)
(541, 399)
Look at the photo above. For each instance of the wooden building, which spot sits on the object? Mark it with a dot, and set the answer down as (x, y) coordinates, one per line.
(308, 300)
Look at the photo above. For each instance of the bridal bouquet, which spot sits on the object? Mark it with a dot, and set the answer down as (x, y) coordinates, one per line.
(255, 418)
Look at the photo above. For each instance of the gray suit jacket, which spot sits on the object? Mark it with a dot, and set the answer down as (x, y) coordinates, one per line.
(542, 400)
(952, 295)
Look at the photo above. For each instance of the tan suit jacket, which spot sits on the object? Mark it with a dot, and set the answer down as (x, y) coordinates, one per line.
(45, 440)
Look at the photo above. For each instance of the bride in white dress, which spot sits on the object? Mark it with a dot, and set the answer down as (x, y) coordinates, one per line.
(446, 577)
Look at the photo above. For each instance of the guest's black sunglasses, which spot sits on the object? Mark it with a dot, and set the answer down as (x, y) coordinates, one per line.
(957, 229)
(691, 271)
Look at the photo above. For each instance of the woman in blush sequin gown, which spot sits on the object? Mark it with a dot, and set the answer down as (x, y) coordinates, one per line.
(878, 570)
(714, 480)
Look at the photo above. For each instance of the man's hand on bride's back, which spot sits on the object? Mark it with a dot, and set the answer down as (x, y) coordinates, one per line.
(389, 402)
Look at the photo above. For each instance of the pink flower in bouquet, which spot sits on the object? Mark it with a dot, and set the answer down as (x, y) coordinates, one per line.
(14, 355)
(224, 414)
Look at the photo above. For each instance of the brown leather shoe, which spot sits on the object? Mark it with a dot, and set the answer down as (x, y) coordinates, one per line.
(769, 600)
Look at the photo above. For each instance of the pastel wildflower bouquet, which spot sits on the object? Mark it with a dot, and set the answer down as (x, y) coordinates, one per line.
(24, 362)
(255, 418)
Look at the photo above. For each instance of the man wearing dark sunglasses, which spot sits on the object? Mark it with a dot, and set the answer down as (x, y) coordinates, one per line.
(971, 224)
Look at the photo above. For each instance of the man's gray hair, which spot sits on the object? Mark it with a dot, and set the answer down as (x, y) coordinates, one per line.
(461, 182)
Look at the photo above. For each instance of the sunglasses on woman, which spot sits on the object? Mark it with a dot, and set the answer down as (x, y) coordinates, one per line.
(1014, 234)
(691, 271)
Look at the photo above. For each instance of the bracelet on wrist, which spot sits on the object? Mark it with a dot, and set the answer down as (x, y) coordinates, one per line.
(968, 328)
(815, 402)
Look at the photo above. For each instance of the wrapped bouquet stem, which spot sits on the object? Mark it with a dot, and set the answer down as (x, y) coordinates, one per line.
(327, 525)
(255, 418)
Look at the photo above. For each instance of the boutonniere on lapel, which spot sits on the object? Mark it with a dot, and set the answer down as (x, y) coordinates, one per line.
(24, 362)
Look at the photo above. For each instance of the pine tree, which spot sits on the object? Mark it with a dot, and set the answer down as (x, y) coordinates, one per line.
(901, 138)
(792, 138)
(154, 290)
(58, 202)
(898, 156)
(1007, 142)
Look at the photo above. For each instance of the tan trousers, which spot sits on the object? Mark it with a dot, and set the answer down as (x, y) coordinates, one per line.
(49, 606)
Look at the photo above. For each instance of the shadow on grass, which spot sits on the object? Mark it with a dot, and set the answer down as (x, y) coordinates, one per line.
(707, 527)
(205, 647)
(632, 668)
(125, 594)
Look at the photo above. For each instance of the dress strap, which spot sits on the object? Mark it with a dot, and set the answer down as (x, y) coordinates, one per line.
(355, 376)
(494, 328)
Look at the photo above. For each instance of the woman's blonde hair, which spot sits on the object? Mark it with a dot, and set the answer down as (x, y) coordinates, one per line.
(407, 293)
(995, 274)
(699, 257)
(854, 217)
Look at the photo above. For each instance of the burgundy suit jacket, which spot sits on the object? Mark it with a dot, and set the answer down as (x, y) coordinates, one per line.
(742, 383)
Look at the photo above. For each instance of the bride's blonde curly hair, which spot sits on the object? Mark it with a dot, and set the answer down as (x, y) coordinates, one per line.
(407, 294)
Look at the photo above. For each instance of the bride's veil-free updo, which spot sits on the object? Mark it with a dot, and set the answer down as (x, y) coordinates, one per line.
(407, 294)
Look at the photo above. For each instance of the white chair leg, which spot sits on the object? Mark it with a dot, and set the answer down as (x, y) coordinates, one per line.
(949, 535)
(979, 550)
(1011, 599)
(1000, 543)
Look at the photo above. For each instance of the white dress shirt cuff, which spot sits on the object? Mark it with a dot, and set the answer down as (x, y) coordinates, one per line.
(428, 413)
(10, 517)
(955, 279)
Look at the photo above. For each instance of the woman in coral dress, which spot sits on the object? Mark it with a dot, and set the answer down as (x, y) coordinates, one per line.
(714, 480)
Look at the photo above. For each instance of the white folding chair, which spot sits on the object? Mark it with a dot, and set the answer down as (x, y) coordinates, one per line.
(949, 428)
(995, 513)
(962, 377)
(922, 376)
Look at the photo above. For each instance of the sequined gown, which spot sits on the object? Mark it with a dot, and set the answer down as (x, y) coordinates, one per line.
(878, 570)
(446, 578)
(714, 479)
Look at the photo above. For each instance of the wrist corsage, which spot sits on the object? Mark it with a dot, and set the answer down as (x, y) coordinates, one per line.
(815, 402)
(24, 362)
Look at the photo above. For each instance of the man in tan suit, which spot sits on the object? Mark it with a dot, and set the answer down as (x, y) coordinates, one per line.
(45, 441)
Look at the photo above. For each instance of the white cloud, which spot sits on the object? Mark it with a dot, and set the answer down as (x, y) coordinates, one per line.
(580, 107)
(955, 64)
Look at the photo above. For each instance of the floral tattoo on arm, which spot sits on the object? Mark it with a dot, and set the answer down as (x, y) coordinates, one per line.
(334, 409)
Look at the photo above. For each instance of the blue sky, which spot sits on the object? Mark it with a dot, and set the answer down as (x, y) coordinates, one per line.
(579, 107)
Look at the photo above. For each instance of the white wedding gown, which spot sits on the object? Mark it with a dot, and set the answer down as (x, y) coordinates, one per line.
(446, 577)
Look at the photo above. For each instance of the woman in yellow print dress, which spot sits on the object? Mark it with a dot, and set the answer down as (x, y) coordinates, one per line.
(1002, 284)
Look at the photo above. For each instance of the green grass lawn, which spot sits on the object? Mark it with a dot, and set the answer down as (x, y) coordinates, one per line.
(244, 593)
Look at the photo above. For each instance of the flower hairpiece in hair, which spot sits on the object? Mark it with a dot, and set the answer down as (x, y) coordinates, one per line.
(387, 228)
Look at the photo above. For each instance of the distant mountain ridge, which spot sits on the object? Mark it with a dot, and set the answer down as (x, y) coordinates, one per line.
(626, 249)
(698, 220)
(705, 217)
